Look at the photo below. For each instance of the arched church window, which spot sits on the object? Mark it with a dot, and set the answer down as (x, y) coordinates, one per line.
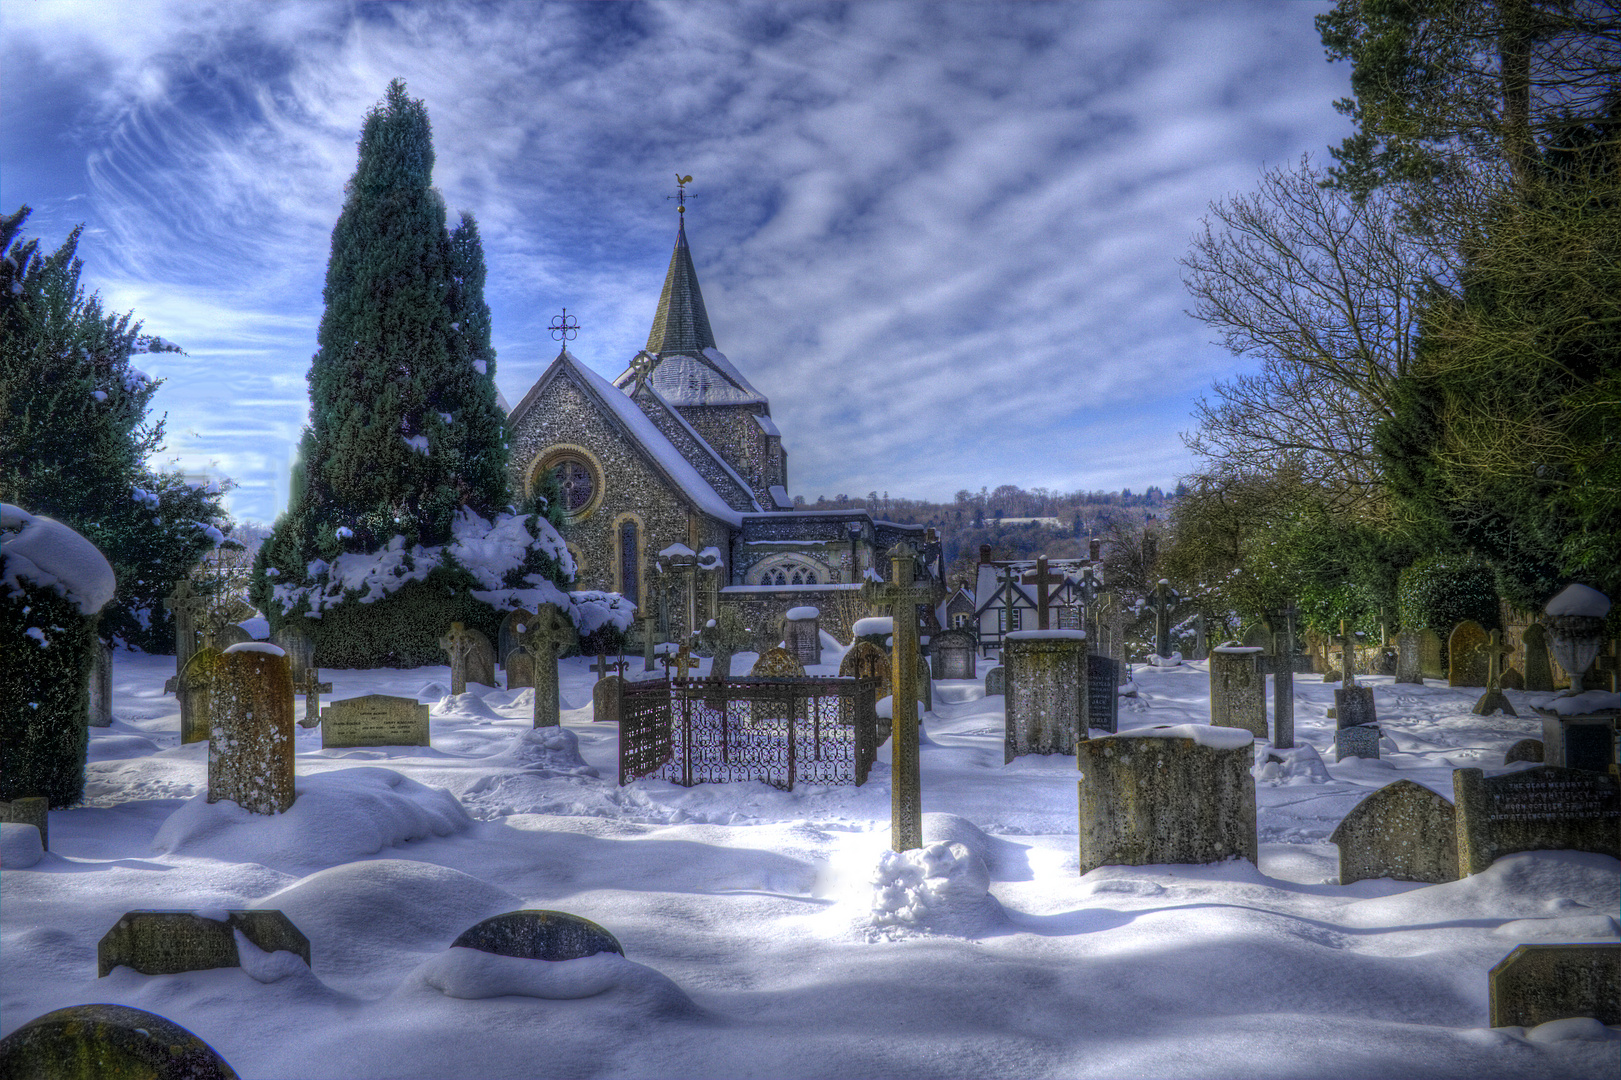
(804, 577)
(629, 561)
(776, 577)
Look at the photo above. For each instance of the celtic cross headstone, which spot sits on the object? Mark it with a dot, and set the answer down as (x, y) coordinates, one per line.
(546, 636)
(906, 792)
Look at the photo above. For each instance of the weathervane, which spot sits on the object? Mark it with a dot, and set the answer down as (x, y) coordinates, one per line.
(681, 195)
(565, 327)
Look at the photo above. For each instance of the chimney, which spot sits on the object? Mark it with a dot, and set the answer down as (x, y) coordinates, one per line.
(1095, 549)
(984, 554)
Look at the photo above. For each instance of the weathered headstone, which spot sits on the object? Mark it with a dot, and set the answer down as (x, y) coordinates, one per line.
(312, 688)
(1237, 689)
(229, 634)
(548, 635)
(1103, 694)
(996, 681)
(374, 720)
(250, 729)
(925, 684)
(1112, 621)
(481, 660)
(35, 811)
(1166, 795)
(293, 638)
(1466, 660)
(108, 1042)
(1431, 655)
(1047, 692)
(1359, 740)
(1541, 809)
(607, 699)
(1409, 664)
(778, 663)
(1538, 666)
(954, 654)
(1512, 679)
(1524, 750)
(538, 935)
(1538, 983)
(458, 645)
(510, 635)
(169, 942)
(1493, 700)
(1354, 706)
(902, 597)
(724, 636)
(195, 692)
(867, 661)
(101, 684)
(520, 668)
(802, 634)
(187, 609)
(1258, 636)
(1403, 831)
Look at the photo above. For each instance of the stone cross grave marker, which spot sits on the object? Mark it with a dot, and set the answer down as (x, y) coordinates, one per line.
(1540, 809)
(250, 733)
(1237, 689)
(459, 645)
(1164, 597)
(1538, 666)
(375, 720)
(187, 607)
(1466, 661)
(906, 789)
(508, 636)
(1353, 705)
(1043, 597)
(520, 667)
(1403, 831)
(1494, 699)
(1281, 666)
(548, 634)
(312, 688)
(724, 635)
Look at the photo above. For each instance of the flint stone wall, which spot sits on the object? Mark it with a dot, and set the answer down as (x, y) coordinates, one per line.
(1403, 831)
(1151, 799)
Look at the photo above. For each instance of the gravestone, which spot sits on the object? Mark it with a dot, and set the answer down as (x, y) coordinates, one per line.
(312, 688)
(1282, 665)
(1237, 689)
(510, 635)
(35, 811)
(187, 609)
(867, 661)
(1541, 809)
(954, 654)
(458, 645)
(230, 634)
(1257, 637)
(374, 720)
(1166, 795)
(996, 681)
(534, 934)
(481, 661)
(1538, 664)
(1538, 983)
(1431, 655)
(778, 663)
(195, 692)
(1409, 664)
(108, 1042)
(925, 684)
(1512, 679)
(1403, 831)
(1493, 700)
(1361, 740)
(902, 595)
(802, 634)
(607, 699)
(520, 668)
(1578, 741)
(547, 636)
(169, 942)
(250, 732)
(293, 638)
(1103, 694)
(101, 684)
(1354, 706)
(1047, 692)
(1524, 750)
(1466, 660)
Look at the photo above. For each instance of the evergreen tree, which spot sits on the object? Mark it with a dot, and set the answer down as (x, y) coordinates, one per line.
(75, 439)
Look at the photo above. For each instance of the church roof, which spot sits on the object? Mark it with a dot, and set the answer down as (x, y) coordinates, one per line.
(681, 324)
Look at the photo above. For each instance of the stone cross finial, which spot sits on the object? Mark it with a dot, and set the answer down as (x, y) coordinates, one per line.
(459, 644)
(1163, 598)
(1042, 597)
(312, 688)
(548, 634)
(641, 368)
(906, 791)
(188, 607)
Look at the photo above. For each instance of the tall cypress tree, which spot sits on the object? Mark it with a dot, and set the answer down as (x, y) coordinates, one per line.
(400, 435)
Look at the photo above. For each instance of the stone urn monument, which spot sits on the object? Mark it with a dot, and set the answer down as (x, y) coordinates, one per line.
(1575, 622)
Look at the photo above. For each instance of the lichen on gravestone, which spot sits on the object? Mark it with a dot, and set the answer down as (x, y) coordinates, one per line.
(534, 934)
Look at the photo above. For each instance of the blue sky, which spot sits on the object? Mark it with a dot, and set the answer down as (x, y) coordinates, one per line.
(942, 239)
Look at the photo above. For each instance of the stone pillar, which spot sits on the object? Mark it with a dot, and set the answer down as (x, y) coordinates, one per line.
(1237, 689)
(1162, 618)
(648, 623)
(250, 736)
(1042, 595)
(1283, 682)
(1046, 692)
(101, 683)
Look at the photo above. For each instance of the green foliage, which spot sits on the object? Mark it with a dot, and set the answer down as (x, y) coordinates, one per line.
(75, 439)
(402, 629)
(44, 694)
(606, 639)
(1439, 592)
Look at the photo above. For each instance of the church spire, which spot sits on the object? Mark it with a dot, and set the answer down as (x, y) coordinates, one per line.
(681, 325)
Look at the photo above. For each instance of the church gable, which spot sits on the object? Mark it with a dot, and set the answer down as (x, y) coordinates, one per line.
(710, 465)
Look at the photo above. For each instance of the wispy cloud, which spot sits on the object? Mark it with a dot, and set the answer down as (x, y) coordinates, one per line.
(942, 238)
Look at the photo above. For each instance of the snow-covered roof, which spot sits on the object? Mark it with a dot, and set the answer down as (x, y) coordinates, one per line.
(779, 495)
(47, 554)
(689, 380)
(767, 425)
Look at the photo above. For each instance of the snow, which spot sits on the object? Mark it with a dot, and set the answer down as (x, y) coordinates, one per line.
(1221, 738)
(1581, 600)
(419, 443)
(772, 932)
(677, 549)
(257, 627)
(258, 647)
(794, 614)
(1047, 635)
(20, 845)
(1238, 650)
(46, 554)
(779, 497)
(873, 624)
(1585, 703)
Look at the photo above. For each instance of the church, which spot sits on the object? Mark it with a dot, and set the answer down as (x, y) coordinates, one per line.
(675, 486)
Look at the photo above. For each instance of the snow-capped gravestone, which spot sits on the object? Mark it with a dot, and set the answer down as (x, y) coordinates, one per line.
(109, 1042)
(876, 630)
(1403, 831)
(954, 654)
(293, 638)
(520, 668)
(1538, 668)
(195, 692)
(1466, 660)
(1238, 689)
(1578, 731)
(1409, 664)
(1541, 809)
(35, 811)
(538, 935)
(101, 685)
(1358, 740)
(996, 681)
(867, 661)
(546, 635)
(778, 663)
(1181, 794)
(169, 942)
(608, 699)
(510, 634)
(1103, 693)
(250, 733)
(802, 634)
(374, 720)
(1047, 691)
(1538, 983)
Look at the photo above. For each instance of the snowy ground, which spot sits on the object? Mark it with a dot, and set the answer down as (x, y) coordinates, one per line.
(755, 940)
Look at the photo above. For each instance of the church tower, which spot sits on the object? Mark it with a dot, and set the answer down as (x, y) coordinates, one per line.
(689, 374)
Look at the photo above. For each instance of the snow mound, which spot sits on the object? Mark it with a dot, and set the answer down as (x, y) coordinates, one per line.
(354, 911)
(804, 611)
(873, 624)
(468, 706)
(545, 751)
(1588, 701)
(337, 817)
(1221, 738)
(1289, 768)
(268, 967)
(474, 974)
(257, 647)
(943, 887)
(432, 693)
(20, 845)
(1526, 885)
(1571, 1029)
(48, 555)
(951, 829)
(1581, 600)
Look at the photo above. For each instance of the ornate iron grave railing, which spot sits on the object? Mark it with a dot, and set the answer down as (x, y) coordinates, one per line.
(709, 731)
